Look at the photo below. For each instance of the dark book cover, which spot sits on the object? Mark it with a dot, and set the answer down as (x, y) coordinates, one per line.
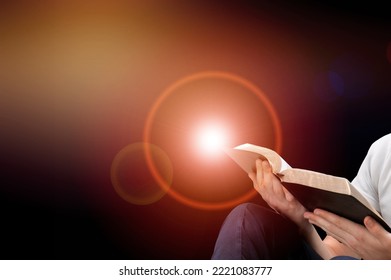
(343, 205)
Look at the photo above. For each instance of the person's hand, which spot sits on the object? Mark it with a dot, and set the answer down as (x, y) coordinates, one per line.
(276, 196)
(371, 241)
(282, 201)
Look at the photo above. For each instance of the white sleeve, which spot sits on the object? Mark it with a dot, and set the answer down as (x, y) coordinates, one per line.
(364, 181)
(374, 176)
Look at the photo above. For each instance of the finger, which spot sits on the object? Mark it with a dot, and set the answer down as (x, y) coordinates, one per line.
(264, 166)
(340, 228)
(253, 178)
(271, 181)
(374, 227)
(333, 219)
(264, 184)
(259, 175)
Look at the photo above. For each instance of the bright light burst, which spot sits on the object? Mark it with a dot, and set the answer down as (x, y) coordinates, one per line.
(211, 139)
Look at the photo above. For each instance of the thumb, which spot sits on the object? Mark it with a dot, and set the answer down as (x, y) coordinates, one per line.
(373, 227)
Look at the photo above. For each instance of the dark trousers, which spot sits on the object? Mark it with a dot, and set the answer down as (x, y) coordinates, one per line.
(252, 231)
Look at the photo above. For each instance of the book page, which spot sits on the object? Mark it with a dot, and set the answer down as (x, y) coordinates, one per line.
(284, 166)
(316, 180)
(239, 155)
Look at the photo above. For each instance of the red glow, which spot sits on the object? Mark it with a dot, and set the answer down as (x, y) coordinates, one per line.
(200, 98)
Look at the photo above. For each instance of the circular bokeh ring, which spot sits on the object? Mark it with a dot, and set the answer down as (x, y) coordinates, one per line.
(127, 162)
(168, 92)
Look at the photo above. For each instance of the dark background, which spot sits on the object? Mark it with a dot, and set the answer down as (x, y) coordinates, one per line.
(77, 81)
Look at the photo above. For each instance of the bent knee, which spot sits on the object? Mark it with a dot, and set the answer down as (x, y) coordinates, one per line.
(252, 211)
(242, 210)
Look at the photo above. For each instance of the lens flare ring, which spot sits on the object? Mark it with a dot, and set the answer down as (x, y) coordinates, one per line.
(127, 170)
(169, 91)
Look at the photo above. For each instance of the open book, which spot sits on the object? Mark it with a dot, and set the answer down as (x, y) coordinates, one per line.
(312, 189)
